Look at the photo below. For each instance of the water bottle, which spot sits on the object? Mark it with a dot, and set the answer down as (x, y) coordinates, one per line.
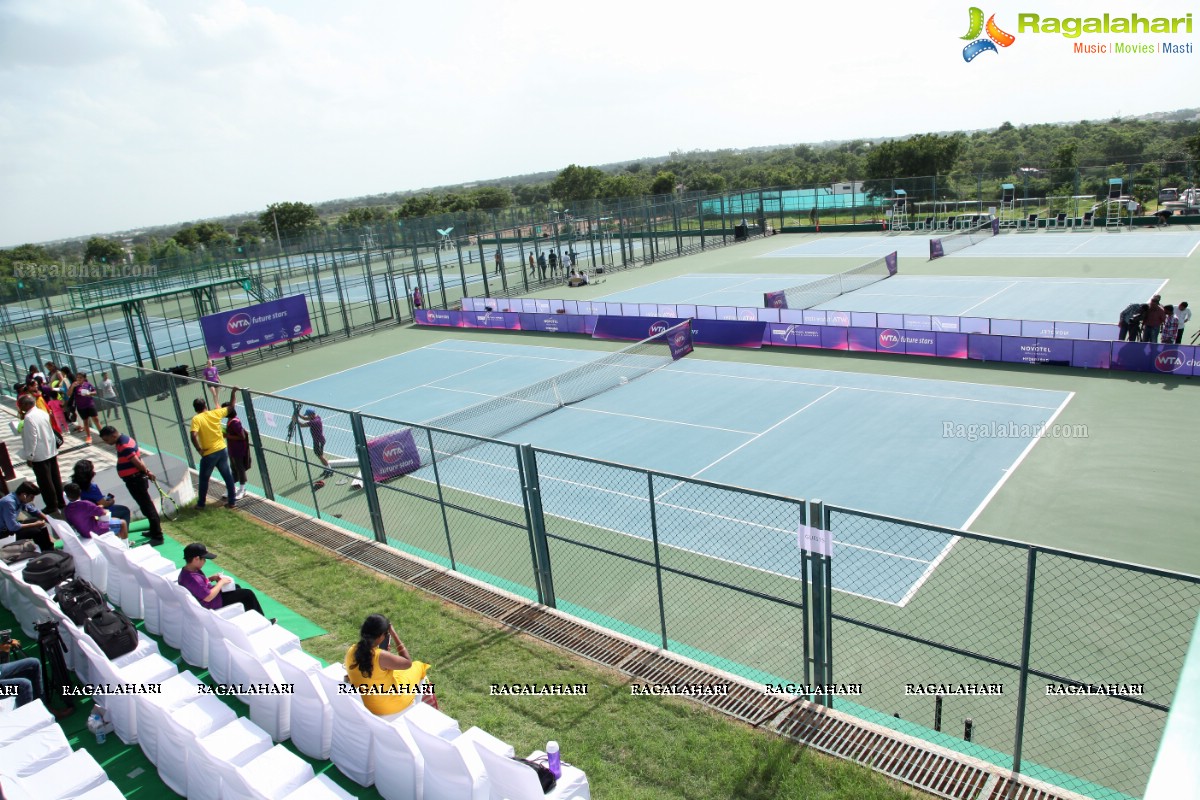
(95, 724)
(553, 760)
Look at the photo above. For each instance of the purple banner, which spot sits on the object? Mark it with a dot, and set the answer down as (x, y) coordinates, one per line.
(252, 327)
(680, 341)
(782, 335)
(995, 226)
(935, 249)
(1025, 350)
(775, 299)
(553, 323)
(890, 261)
(1092, 355)
(393, 454)
(731, 333)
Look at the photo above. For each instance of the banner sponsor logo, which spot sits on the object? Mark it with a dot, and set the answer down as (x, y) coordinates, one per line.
(238, 324)
(1170, 361)
(889, 339)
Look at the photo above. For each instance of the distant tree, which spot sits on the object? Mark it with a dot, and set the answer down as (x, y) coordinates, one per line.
(491, 197)
(293, 218)
(364, 215)
(420, 205)
(1063, 164)
(577, 183)
(622, 186)
(187, 237)
(213, 234)
(1192, 144)
(103, 251)
(664, 183)
(528, 194)
(249, 232)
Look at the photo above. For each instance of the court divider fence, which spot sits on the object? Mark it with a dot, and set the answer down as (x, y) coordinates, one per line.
(1063, 666)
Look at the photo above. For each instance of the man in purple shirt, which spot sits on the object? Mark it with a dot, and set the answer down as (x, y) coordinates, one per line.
(316, 428)
(211, 592)
(86, 517)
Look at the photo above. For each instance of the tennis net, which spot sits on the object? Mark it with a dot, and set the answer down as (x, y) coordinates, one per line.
(807, 295)
(964, 238)
(499, 415)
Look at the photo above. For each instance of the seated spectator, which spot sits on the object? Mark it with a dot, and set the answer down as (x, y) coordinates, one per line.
(210, 592)
(87, 518)
(35, 527)
(577, 279)
(84, 474)
(387, 681)
(24, 676)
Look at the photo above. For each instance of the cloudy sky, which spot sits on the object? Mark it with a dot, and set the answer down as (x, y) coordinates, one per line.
(117, 114)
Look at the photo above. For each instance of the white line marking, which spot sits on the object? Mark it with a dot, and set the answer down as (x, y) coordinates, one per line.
(933, 565)
(989, 297)
(1009, 472)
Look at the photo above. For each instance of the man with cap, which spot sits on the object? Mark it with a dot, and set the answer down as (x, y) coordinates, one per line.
(11, 507)
(211, 592)
(316, 428)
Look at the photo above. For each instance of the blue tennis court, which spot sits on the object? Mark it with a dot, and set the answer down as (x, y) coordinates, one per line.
(887, 444)
(1062, 299)
(1009, 244)
(110, 340)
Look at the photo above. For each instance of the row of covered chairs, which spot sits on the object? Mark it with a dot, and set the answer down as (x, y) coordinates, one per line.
(200, 747)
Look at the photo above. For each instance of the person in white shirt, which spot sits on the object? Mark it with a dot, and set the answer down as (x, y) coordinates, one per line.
(41, 453)
(1183, 314)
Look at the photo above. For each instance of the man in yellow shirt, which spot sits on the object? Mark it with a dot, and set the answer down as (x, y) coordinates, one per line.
(209, 441)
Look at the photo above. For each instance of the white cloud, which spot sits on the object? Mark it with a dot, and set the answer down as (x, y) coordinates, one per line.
(126, 113)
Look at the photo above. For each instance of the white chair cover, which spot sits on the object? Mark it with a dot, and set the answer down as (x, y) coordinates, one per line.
(271, 712)
(514, 781)
(453, 770)
(271, 776)
(122, 708)
(312, 716)
(320, 788)
(34, 752)
(178, 734)
(176, 691)
(234, 745)
(26, 719)
(68, 777)
(351, 747)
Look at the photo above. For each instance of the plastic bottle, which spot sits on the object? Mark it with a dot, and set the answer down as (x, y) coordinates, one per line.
(95, 724)
(553, 760)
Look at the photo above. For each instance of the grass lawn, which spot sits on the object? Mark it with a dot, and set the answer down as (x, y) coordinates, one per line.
(630, 747)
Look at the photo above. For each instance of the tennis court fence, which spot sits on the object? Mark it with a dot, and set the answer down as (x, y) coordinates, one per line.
(1065, 664)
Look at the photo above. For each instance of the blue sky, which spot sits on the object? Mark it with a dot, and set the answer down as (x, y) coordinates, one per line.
(127, 113)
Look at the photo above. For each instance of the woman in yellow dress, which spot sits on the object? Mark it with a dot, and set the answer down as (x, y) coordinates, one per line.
(387, 681)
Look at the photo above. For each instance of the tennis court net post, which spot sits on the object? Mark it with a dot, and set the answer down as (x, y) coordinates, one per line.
(813, 293)
(964, 238)
(497, 416)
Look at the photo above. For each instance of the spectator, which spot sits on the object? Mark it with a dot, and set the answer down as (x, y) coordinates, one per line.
(532, 265)
(541, 262)
(83, 394)
(41, 452)
(211, 592)
(137, 476)
(34, 374)
(1185, 315)
(553, 263)
(84, 474)
(1170, 326)
(1162, 217)
(87, 518)
(213, 377)
(24, 676)
(1153, 320)
(37, 528)
(387, 681)
(417, 299)
(108, 397)
(1130, 322)
(237, 442)
(209, 441)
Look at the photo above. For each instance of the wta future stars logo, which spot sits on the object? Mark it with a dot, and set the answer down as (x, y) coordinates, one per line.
(995, 36)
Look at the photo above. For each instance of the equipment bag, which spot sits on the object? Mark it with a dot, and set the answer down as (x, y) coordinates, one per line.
(112, 632)
(79, 600)
(50, 569)
(22, 550)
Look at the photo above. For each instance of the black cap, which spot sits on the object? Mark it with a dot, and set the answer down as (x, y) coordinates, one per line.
(195, 550)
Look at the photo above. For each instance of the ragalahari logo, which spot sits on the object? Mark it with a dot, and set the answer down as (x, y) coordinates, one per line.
(995, 36)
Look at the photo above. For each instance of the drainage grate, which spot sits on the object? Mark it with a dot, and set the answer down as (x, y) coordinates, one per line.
(369, 554)
(579, 639)
(1020, 791)
(466, 594)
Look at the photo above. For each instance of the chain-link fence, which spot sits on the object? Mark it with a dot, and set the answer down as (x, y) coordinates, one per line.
(1064, 665)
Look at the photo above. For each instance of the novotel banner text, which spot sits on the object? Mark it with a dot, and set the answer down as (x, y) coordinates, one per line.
(252, 327)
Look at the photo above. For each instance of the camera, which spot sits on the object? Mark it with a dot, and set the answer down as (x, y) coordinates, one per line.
(5, 637)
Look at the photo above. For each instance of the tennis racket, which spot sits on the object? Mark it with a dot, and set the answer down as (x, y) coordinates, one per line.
(169, 508)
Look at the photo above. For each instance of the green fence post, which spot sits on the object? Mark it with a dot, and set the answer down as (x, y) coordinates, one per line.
(662, 611)
(264, 470)
(821, 621)
(437, 479)
(1023, 679)
(368, 477)
(532, 490)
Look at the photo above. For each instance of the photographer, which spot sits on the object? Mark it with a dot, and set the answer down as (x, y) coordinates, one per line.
(23, 674)
(18, 502)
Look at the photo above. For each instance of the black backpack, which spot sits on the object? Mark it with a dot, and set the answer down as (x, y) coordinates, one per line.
(50, 569)
(112, 632)
(79, 600)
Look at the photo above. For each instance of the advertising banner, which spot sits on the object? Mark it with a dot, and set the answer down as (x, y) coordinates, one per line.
(393, 454)
(244, 329)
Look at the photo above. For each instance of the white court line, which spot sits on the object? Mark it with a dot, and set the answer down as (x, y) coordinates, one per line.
(1008, 473)
(989, 297)
(758, 436)
(1193, 250)
(932, 568)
